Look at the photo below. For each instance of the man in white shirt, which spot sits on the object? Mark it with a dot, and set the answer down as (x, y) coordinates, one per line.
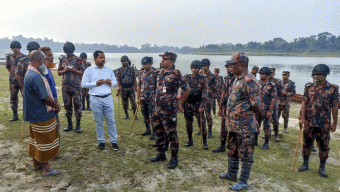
(99, 79)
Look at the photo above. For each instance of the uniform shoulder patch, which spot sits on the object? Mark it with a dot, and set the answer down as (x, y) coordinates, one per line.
(249, 77)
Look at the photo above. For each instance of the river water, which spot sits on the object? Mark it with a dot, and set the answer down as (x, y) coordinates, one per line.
(300, 67)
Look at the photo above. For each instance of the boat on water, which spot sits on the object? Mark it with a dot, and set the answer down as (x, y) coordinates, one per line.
(298, 98)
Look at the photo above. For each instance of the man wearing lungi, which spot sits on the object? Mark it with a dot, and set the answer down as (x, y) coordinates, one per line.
(40, 110)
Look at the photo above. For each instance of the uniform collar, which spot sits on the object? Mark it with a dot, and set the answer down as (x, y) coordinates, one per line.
(242, 75)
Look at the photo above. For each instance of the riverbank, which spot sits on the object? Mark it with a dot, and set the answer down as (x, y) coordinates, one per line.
(87, 169)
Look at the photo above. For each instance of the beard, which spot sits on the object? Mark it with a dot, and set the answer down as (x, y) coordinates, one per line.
(43, 69)
(50, 65)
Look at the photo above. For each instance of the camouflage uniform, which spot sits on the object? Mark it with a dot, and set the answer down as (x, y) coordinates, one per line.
(228, 85)
(165, 116)
(125, 77)
(211, 82)
(147, 84)
(284, 100)
(275, 116)
(85, 91)
(267, 92)
(217, 94)
(71, 89)
(17, 67)
(318, 117)
(241, 120)
(192, 104)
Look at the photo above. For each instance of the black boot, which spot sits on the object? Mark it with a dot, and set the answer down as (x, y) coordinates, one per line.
(243, 182)
(69, 126)
(78, 129)
(174, 160)
(256, 141)
(205, 145)
(285, 125)
(15, 115)
(147, 132)
(190, 142)
(198, 133)
(83, 105)
(210, 132)
(322, 171)
(126, 114)
(232, 170)
(304, 166)
(276, 131)
(266, 144)
(153, 136)
(154, 145)
(222, 147)
(161, 156)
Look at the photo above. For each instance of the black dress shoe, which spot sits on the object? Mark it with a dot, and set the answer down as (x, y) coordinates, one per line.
(101, 146)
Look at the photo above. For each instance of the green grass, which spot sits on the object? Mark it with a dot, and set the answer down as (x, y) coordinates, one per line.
(131, 170)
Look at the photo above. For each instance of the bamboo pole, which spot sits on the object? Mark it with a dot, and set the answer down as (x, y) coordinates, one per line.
(297, 146)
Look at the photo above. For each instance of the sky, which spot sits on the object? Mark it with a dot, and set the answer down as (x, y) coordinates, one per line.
(172, 22)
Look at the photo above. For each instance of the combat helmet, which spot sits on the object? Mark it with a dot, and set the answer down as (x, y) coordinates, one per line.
(265, 70)
(69, 48)
(83, 55)
(15, 44)
(196, 64)
(33, 45)
(321, 69)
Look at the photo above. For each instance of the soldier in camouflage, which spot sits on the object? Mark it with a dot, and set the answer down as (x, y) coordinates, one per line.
(268, 95)
(244, 102)
(85, 91)
(16, 64)
(287, 92)
(194, 105)
(211, 82)
(228, 85)
(319, 104)
(254, 70)
(275, 117)
(217, 94)
(146, 91)
(71, 68)
(169, 80)
(126, 83)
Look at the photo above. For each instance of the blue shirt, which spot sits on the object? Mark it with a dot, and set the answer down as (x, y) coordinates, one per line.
(93, 74)
(50, 80)
(35, 92)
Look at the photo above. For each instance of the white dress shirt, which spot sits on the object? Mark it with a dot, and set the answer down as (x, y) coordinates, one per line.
(93, 74)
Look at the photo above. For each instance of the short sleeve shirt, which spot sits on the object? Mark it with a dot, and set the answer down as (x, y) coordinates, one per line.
(244, 95)
(35, 92)
(319, 103)
(168, 84)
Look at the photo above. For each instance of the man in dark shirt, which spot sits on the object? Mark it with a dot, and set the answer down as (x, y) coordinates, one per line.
(39, 109)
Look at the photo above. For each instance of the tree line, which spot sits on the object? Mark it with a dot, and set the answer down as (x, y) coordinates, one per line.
(323, 42)
(83, 47)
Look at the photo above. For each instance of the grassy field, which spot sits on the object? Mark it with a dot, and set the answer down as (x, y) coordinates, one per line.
(87, 169)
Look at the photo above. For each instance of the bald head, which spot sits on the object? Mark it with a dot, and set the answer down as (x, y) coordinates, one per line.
(36, 55)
